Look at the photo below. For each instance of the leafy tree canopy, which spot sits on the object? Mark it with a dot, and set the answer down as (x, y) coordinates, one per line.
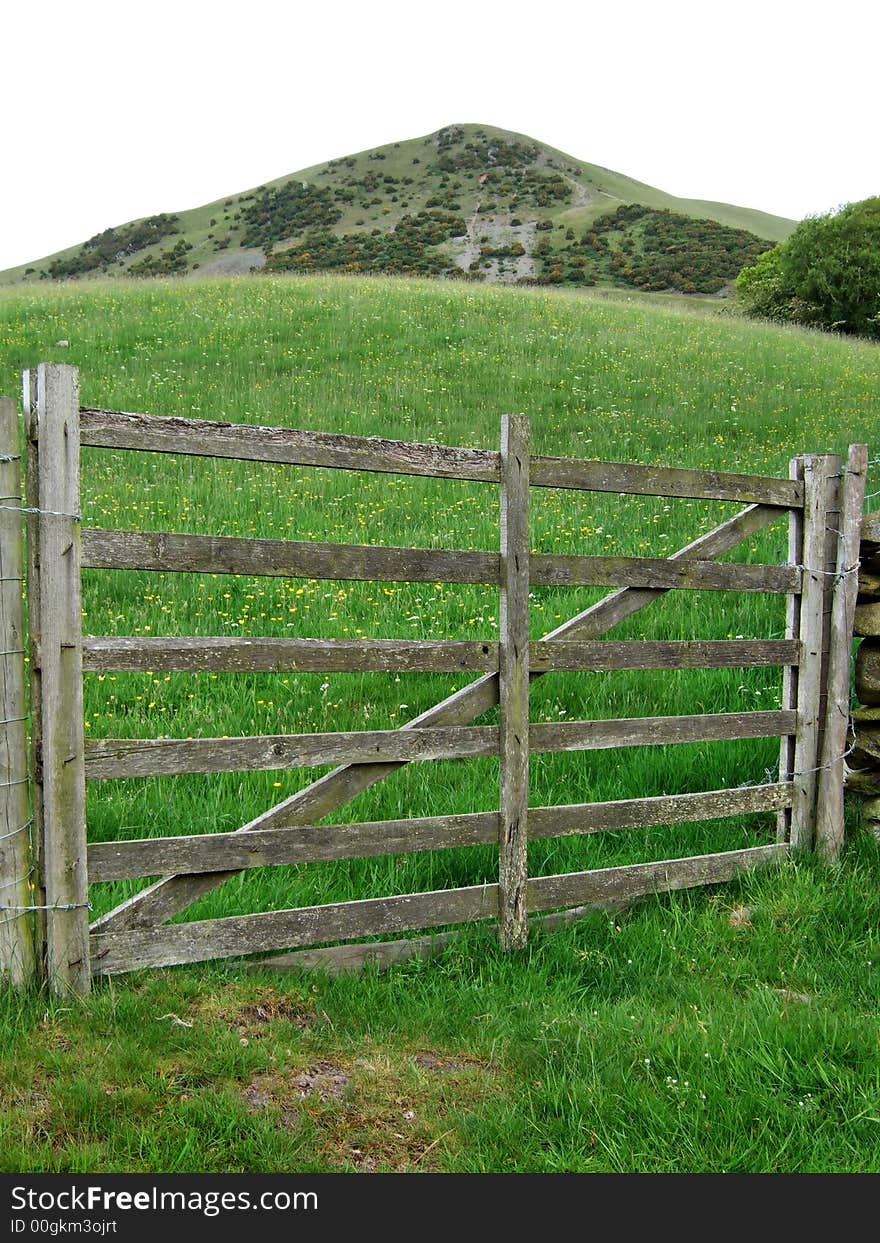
(827, 274)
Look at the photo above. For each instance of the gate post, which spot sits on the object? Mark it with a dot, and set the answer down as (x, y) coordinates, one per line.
(829, 801)
(819, 472)
(17, 962)
(513, 685)
(55, 625)
(792, 631)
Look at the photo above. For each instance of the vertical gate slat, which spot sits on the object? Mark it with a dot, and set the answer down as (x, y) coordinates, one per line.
(16, 936)
(834, 473)
(817, 469)
(62, 770)
(829, 800)
(514, 684)
(32, 501)
(792, 631)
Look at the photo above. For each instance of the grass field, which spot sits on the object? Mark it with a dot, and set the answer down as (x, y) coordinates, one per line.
(673, 1037)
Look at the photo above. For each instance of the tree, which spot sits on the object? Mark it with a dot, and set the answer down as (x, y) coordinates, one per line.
(764, 290)
(827, 274)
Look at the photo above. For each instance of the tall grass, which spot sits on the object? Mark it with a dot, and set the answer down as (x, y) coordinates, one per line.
(726, 1031)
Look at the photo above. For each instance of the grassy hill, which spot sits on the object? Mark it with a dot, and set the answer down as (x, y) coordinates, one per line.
(470, 201)
(675, 1037)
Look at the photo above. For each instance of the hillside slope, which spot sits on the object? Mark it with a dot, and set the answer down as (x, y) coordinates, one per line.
(469, 201)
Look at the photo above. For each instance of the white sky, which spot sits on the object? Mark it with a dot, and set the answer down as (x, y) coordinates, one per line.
(114, 110)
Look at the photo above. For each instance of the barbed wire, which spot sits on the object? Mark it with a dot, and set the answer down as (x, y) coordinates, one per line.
(804, 772)
(52, 906)
(22, 828)
(809, 569)
(35, 509)
(874, 461)
(55, 906)
(8, 884)
(773, 774)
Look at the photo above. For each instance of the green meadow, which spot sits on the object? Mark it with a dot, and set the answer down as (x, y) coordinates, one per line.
(728, 1029)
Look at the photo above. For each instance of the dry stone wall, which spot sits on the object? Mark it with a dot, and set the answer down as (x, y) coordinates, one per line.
(863, 775)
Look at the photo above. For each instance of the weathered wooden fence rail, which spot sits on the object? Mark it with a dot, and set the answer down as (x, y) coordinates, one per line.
(51, 906)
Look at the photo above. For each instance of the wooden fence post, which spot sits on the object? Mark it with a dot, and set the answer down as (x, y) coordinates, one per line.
(56, 633)
(792, 631)
(829, 799)
(16, 919)
(818, 472)
(514, 684)
(32, 501)
(834, 472)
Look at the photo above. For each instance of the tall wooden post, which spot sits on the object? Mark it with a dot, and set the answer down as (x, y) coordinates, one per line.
(818, 472)
(56, 634)
(32, 501)
(16, 918)
(834, 474)
(792, 631)
(514, 684)
(829, 799)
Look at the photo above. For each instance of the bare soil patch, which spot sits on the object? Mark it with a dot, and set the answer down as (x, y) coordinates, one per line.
(394, 1110)
(252, 1017)
(238, 263)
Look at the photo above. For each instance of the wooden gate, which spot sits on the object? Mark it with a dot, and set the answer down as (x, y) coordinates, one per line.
(821, 502)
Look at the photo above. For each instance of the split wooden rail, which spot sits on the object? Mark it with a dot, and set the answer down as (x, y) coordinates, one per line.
(53, 904)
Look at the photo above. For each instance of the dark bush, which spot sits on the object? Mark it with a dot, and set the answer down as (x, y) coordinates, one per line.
(112, 246)
(275, 215)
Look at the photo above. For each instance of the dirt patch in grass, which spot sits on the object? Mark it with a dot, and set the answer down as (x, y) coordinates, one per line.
(392, 1111)
(30, 1103)
(271, 1008)
(251, 1016)
(53, 1037)
(25, 1120)
(325, 1081)
(442, 1064)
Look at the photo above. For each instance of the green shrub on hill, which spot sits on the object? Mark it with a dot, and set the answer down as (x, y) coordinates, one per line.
(485, 153)
(511, 250)
(644, 248)
(448, 136)
(167, 263)
(105, 249)
(826, 275)
(407, 250)
(682, 252)
(273, 215)
(530, 186)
